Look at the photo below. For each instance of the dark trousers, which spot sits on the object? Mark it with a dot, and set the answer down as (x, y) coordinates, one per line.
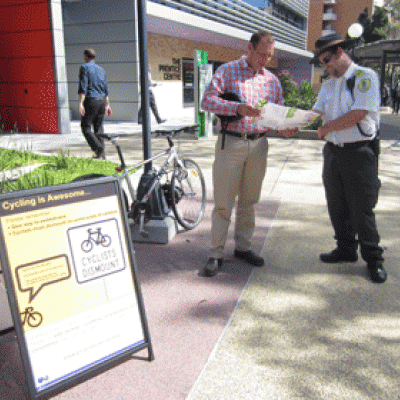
(396, 105)
(350, 177)
(153, 107)
(94, 116)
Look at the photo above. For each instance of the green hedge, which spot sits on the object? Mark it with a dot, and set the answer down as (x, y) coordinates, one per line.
(57, 169)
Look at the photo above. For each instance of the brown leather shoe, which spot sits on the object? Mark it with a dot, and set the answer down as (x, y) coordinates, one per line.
(212, 267)
(250, 257)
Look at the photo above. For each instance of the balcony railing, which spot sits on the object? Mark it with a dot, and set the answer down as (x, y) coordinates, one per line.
(241, 15)
(327, 32)
(329, 17)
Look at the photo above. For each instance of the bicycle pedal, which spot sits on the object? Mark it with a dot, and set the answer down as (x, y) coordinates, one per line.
(131, 214)
(144, 234)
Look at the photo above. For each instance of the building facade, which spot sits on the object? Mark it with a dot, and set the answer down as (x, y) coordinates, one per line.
(33, 86)
(176, 29)
(327, 16)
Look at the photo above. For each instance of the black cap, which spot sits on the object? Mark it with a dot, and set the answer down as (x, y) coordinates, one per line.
(327, 42)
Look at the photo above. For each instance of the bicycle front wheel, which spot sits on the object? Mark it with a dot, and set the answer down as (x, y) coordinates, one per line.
(188, 194)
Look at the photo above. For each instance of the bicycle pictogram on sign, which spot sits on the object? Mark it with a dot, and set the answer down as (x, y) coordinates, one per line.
(95, 237)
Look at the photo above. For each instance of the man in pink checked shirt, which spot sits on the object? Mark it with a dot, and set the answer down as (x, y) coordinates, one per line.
(241, 152)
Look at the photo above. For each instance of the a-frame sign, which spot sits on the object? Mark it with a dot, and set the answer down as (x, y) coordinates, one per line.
(69, 268)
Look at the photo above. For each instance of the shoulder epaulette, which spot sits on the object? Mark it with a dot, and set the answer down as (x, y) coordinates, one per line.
(359, 73)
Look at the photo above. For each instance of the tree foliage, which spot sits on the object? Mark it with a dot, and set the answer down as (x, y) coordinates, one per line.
(300, 96)
(376, 27)
(394, 9)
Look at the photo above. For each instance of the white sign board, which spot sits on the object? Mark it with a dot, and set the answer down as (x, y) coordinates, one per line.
(69, 270)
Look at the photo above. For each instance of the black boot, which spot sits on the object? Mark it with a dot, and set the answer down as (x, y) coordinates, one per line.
(339, 255)
(376, 271)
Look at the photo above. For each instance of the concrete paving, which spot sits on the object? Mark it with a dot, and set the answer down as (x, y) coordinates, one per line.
(299, 329)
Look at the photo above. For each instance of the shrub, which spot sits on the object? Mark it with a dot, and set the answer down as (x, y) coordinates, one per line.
(56, 169)
(302, 96)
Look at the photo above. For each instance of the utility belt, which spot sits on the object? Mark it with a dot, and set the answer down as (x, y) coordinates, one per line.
(374, 144)
(353, 145)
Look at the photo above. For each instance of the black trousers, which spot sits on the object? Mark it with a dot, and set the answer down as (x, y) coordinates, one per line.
(350, 177)
(153, 107)
(94, 116)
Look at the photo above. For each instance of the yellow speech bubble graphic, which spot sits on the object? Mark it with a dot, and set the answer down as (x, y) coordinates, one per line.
(34, 276)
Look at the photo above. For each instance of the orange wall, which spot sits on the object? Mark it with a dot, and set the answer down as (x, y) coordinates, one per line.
(347, 13)
(27, 79)
(314, 22)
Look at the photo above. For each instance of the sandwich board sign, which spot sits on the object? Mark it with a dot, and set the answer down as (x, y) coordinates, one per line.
(69, 270)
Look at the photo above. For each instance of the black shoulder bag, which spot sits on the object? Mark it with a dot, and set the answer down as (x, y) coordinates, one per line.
(375, 143)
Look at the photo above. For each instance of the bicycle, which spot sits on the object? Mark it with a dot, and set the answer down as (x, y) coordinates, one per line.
(95, 237)
(31, 317)
(179, 183)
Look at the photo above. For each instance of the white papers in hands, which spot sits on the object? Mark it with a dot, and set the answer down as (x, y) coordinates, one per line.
(280, 118)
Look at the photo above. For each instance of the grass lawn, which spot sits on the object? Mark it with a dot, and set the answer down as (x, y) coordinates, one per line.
(56, 169)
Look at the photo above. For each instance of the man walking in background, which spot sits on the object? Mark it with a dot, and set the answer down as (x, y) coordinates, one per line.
(93, 102)
(152, 101)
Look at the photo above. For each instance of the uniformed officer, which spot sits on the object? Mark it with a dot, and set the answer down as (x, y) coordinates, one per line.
(349, 106)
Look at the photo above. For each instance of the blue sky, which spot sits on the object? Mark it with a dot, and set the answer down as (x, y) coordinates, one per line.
(255, 3)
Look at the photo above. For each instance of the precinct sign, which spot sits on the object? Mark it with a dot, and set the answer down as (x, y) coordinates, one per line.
(70, 275)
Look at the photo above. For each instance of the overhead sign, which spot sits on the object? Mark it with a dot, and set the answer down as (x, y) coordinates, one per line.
(70, 275)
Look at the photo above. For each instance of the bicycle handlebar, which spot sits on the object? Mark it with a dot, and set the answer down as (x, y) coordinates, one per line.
(167, 131)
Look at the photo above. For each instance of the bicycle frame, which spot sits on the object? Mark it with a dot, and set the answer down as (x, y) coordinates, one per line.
(172, 156)
(95, 235)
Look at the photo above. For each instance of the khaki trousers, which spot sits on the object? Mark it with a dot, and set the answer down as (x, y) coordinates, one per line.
(238, 171)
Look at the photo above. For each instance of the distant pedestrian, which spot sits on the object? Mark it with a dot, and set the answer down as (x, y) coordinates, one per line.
(396, 98)
(153, 105)
(385, 96)
(93, 102)
(349, 104)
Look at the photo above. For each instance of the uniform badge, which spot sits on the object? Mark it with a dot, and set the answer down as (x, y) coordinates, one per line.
(364, 85)
(359, 73)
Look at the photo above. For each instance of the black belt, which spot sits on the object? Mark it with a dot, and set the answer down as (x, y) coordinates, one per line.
(354, 145)
(246, 136)
(95, 98)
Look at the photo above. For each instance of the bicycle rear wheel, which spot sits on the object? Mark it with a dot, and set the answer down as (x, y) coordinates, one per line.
(188, 194)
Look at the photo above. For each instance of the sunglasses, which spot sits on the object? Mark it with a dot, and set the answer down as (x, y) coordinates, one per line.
(327, 59)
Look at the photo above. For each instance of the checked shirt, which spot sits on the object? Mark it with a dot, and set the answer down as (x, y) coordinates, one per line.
(238, 77)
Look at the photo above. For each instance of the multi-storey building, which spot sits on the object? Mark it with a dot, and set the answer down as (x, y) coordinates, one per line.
(43, 42)
(327, 16)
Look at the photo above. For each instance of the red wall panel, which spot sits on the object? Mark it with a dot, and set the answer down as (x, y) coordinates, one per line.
(34, 15)
(27, 44)
(27, 78)
(39, 69)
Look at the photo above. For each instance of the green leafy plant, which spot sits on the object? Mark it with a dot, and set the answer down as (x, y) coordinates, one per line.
(56, 169)
(290, 91)
(299, 96)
